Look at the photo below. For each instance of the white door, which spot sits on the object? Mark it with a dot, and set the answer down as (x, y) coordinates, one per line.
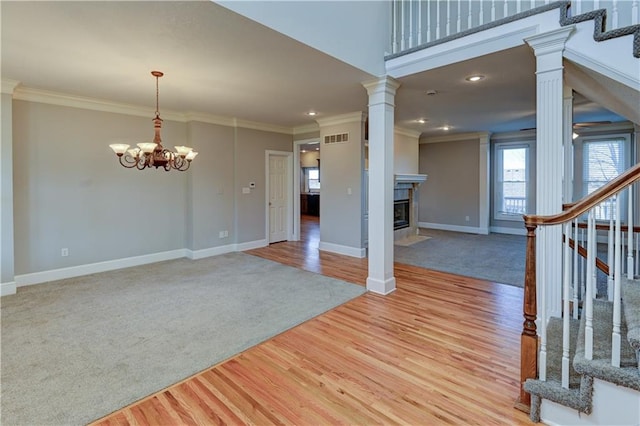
(278, 200)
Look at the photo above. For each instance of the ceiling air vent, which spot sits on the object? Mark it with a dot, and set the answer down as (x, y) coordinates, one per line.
(337, 138)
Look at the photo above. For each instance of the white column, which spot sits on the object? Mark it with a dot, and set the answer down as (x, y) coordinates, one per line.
(483, 189)
(381, 93)
(7, 272)
(548, 49)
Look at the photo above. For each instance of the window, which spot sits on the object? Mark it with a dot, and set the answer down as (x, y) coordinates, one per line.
(512, 189)
(312, 179)
(603, 159)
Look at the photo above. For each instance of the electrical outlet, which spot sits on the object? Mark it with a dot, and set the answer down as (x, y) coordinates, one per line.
(466, 218)
(221, 234)
(64, 252)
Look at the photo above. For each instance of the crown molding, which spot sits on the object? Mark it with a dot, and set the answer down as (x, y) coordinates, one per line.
(73, 101)
(263, 126)
(209, 119)
(351, 117)
(407, 132)
(9, 86)
(56, 98)
(308, 128)
(455, 137)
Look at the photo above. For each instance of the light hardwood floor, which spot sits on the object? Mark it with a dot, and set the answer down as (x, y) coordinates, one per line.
(441, 349)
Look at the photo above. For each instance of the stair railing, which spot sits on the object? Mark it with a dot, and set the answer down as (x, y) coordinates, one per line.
(420, 22)
(533, 347)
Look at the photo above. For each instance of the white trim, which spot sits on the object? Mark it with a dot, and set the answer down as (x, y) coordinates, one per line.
(308, 128)
(340, 249)
(92, 268)
(454, 137)
(455, 228)
(385, 287)
(529, 134)
(358, 116)
(510, 231)
(208, 252)
(9, 86)
(7, 289)
(265, 127)
(55, 98)
(599, 67)
(406, 132)
(268, 153)
(250, 245)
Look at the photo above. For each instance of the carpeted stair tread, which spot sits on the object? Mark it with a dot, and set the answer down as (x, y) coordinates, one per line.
(631, 311)
(600, 366)
(552, 389)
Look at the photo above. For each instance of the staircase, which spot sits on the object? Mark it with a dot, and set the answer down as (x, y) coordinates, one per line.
(597, 339)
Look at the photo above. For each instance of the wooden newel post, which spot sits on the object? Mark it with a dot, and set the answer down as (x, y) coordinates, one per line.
(529, 336)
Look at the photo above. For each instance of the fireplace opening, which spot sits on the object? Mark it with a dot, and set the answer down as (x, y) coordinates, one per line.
(400, 214)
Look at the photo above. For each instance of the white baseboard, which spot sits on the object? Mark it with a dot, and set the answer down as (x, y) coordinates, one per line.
(251, 245)
(340, 249)
(510, 231)
(382, 287)
(92, 268)
(212, 251)
(455, 228)
(7, 289)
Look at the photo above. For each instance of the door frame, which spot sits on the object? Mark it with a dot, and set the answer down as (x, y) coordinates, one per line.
(290, 198)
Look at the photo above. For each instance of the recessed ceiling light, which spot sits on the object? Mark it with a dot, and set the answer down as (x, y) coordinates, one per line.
(432, 92)
(445, 128)
(317, 149)
(421, 120)
(311, 113)
(474, 78)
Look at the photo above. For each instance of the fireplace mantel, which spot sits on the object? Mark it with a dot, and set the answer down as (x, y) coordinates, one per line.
(410, 178)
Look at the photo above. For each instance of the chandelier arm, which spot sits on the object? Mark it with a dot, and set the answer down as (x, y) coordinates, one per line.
(127, 161)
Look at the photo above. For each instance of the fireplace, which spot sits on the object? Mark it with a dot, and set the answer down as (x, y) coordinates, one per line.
(401, 215)
(405, 205)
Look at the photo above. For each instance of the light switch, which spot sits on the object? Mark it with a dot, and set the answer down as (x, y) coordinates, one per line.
(246, 190)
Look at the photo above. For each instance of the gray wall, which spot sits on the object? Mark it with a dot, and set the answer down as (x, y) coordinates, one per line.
(212, 192)
(451, 191)
(341, 169)
(250, 167)
(70, 192)
(6, 193)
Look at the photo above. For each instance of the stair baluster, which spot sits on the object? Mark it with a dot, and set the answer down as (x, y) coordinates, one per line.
(542, 362)
(615, 336)
(630, 263)
(588, 299)
(565, 307)
(610, 252)
(576, 278)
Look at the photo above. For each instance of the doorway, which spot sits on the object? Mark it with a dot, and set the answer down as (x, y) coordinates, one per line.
(306, 181)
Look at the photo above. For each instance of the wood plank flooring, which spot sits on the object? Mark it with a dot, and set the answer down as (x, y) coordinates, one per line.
(441, 349)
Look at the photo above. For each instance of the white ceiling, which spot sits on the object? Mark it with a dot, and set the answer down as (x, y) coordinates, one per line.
(220, 63)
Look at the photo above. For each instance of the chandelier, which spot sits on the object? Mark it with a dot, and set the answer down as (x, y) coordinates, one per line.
(153, 154)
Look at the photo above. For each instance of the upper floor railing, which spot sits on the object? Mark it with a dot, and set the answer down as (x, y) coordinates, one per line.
(420, 22)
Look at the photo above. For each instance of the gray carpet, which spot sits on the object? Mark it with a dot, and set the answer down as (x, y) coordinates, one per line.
(75, 350)
(494, 257)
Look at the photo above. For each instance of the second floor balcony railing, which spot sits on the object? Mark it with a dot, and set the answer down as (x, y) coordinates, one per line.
(420, 22)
